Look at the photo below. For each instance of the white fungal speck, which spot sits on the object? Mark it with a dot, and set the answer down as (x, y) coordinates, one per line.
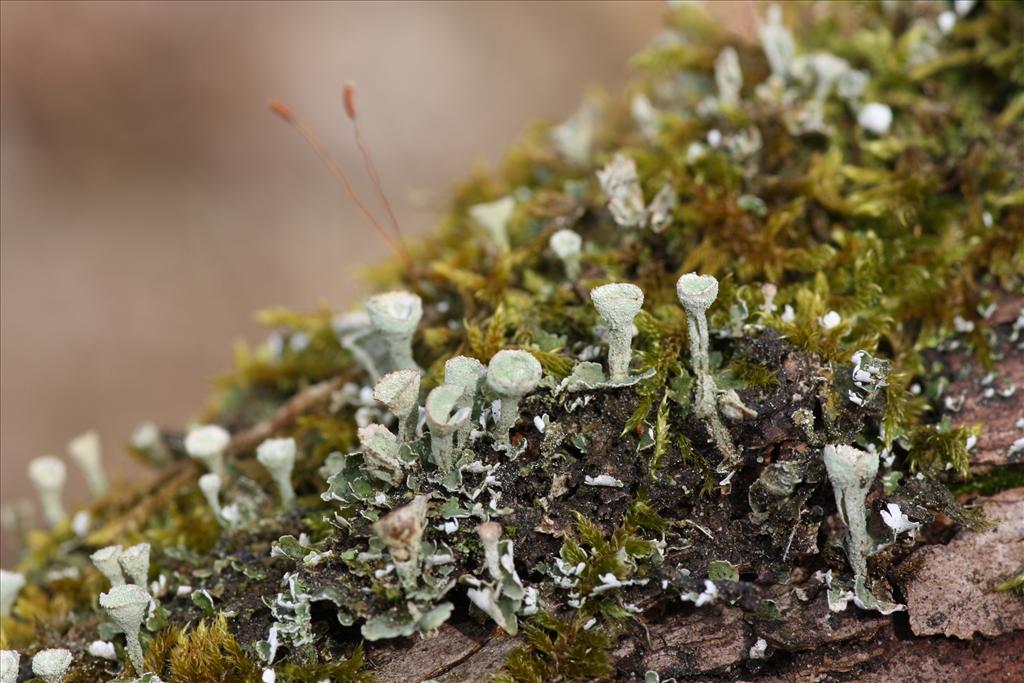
(962, 325)
(714, 137)
(986, 219)
(758, 649)
(788, 314)
(947, 20)
(695, 152)
(603, 480)
(875, 117)
(963, 7)
(269, 676)
(102, 649)
(81, 523)
(830, 321)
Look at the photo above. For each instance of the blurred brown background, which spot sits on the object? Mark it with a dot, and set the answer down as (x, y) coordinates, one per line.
(150, 204)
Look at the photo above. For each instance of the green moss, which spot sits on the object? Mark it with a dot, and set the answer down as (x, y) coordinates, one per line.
(906, 236)
(559, 650)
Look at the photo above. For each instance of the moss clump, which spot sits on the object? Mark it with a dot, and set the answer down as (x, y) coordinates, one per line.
(852, 252)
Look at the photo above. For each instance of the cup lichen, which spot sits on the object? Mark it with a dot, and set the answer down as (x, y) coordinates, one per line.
(11, 584)
(48, 475)
(207, 444)
(107, 560)
(511, 374)
(400, 392)
(618, 304)
(470, 374)
(401, 530)
(278, 457)
(127, 606)
(445, 418)
(395, 316)
(85, 450)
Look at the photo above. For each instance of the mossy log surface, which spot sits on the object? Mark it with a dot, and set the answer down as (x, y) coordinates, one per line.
(855, 182)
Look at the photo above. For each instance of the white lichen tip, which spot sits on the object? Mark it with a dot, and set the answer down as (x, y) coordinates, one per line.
(777, 43)
(617, 304)
(512, 374)
(400, 392)
(697, 292)
(567, 246)
(48, 475)
(278, 456)
(206, 444)
(625, 197)
(11, 584)
(875, 117)
(494, 217)
(107, 560)
(947, 21)
(10, 662)
(401, 530)
(135, 563)
(444, 418)
(728, 77)
(468, 373)
(490, 535)
(127, 606)
(395, 315)
(86, 452)
(52, 665)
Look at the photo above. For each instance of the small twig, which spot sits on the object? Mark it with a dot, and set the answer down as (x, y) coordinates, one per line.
(300, 403)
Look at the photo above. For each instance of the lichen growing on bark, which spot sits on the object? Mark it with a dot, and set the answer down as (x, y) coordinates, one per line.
(855, 189)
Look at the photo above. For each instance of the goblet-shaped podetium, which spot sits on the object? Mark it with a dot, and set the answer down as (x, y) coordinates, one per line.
(494, 217)
(278, 456)
(52, 665)
(206, 444)
(444, 418)
(135, 563)
(852, 472)
(380, 448)
(395, 316)
(11, 584)
(107, 560)
(617, 304)
(48, 475)
(10, 661)
(567, 245)
(85, 450)
(696, 293)
(127, 606)
(400, 392)
(511, 374)
(468, 373)
(401, 530)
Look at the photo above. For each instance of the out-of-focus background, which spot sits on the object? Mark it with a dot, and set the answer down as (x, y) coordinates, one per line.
(150, 203)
